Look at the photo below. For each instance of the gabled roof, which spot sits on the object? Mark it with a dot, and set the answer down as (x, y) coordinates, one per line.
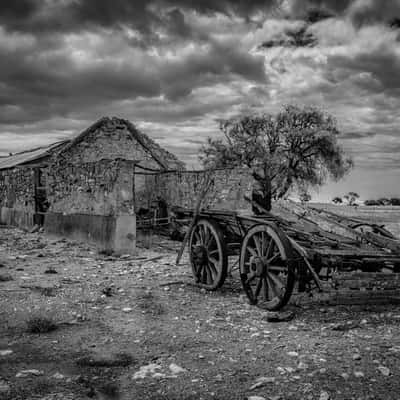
(163, 157)
(28, 156)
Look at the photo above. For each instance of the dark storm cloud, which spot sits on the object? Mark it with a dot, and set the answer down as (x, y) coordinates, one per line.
(382, 64)
(293, 37)
(13, 13)
(373, 11)
(41, 78)
(143, 15)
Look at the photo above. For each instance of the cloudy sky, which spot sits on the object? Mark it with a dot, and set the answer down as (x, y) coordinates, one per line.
(175, 67)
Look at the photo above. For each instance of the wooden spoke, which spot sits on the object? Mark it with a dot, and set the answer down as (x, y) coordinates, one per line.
(207, 236)
(252, 251)
(213, 270)
(273, 258)
(265, 289)
(271, 285)
(213, 252)
(277, 268)
(258, 287)
(197, 236)
(250, 278)
(262, 244)
(277, 282)
(270, 248)
(258, 245)
(213, 260)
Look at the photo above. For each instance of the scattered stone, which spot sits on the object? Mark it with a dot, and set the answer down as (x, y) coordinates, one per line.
(35, 229)
(176, 369)
(342, 327)
(356, 357)
(358, 374)
(261, 381)
(58, 375)
(255, 398)
(150, 370)
(29, 372)
(5, 352)
(127, 309)
(293, 354)
(385, 371)
(302, 365)
(107, 291)
(280, 316)
(345, 375)
(324, 396)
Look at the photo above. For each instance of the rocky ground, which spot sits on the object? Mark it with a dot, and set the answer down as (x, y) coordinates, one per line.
(75, 324)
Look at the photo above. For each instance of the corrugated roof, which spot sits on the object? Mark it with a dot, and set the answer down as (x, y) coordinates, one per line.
(28, 156)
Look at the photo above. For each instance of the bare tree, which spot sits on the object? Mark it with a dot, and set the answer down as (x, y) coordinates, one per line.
(298, 147)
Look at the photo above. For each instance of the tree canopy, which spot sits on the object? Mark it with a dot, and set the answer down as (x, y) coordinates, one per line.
(298, 147)
(351, 198)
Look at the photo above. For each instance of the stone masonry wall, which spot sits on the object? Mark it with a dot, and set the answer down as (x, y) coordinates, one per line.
(182, 188)
(104, 187)
(109, 140)
(17, 189)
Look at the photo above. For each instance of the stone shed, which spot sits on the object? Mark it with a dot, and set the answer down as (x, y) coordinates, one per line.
(84, 187)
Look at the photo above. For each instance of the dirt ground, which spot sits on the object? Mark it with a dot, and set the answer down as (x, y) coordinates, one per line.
(136, 328)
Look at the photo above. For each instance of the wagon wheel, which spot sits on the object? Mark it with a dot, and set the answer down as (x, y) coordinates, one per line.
(266, 267)
(208, 254)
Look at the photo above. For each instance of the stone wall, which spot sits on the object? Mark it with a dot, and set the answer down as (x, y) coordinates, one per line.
(182, 188)
(104, 187)
(107, 139)
(17, 189)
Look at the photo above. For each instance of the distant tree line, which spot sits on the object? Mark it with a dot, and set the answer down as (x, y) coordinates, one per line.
(351, 198)
(394, 201)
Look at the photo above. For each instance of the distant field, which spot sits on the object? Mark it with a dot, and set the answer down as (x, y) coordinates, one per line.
(387, 215)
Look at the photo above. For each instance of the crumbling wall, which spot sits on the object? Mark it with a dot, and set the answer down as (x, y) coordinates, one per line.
(17, 189)
(183, 187)
(104, 187)
(108, 139)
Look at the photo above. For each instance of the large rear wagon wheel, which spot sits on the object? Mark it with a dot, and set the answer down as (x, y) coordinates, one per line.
(266, 267)
(208, 254)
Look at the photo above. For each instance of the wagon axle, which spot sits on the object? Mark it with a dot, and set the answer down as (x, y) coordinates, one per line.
(259, 265)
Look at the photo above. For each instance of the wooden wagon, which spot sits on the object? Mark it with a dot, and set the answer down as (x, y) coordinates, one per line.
(290, 246)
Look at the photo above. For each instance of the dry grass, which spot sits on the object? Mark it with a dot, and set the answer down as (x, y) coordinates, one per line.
(39, 324)
(6, 277)
(149, 303)
(118, 360)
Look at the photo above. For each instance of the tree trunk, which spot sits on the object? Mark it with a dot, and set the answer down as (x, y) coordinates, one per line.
(262, 191)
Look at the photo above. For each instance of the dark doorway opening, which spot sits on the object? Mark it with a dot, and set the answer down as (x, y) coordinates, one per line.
(41, 202)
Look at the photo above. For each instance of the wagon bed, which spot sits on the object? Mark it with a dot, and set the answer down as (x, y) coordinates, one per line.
(291, 244)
